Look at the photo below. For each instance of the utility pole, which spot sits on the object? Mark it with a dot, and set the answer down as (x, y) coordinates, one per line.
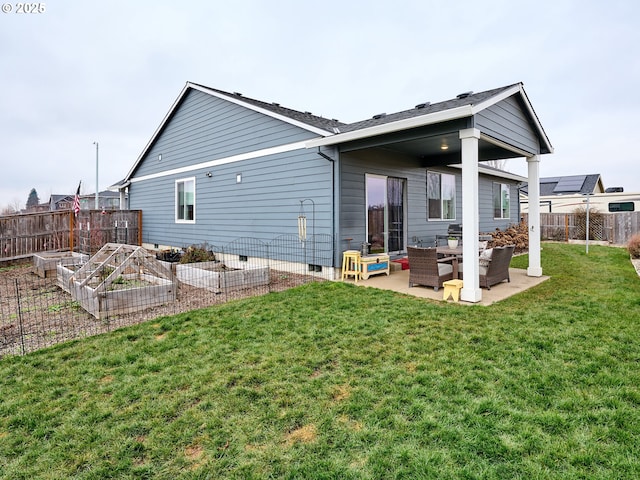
(97, 201)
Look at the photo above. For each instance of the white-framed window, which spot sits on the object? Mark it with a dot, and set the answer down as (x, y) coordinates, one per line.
(501, 200)
(186, 200)
(441, 196)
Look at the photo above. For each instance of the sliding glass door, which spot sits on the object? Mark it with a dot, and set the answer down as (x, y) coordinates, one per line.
(385, 213)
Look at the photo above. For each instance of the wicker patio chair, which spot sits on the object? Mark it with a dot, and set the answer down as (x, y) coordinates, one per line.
(425, 268)
(497, 269)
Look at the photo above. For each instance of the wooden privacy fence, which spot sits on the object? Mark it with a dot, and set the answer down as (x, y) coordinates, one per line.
(616, 228)
(23, 235)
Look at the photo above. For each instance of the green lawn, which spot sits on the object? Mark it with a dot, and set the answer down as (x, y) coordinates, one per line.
(334, 381)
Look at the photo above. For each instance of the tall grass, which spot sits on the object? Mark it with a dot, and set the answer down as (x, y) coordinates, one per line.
(330, 380)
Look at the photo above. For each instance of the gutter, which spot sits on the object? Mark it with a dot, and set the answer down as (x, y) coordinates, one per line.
(333, 201)
(397, 126)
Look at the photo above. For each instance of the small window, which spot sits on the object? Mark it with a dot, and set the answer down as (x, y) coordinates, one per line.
(186, 200)
(501, 200)
(441, 196)
(621, 207)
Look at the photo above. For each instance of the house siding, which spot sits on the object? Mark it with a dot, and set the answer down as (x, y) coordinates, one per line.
(507, 122)
(356, 165)
(264, 205)
(205, 128)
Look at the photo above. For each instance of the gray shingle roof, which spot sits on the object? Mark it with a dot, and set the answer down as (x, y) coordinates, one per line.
(567, 185)
(424, 108)
(304, 117)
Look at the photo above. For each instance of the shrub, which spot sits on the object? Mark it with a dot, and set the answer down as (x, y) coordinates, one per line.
(634, 246)
(517, 235)
(198, 253)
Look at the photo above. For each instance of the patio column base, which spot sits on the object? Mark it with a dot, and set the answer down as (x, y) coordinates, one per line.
(534, 272)
(473, 295)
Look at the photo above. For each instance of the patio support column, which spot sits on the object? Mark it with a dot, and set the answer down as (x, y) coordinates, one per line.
(533, 187)
(470, 220)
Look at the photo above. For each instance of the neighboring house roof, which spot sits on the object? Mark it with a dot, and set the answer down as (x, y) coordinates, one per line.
(56, 200)
(332, 131)
(102, 194)
(568, 185)
(53, 199)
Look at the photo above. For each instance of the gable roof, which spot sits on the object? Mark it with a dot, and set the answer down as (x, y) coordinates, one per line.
(332, 131)
(464, 105)
(304, 119)
(568, 185)
(426, 108)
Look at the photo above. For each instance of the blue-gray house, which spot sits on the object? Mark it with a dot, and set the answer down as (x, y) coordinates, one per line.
(222, 166)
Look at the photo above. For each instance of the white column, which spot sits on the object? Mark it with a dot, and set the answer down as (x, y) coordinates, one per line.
(533, 164)
(123, 199)
(471, 291)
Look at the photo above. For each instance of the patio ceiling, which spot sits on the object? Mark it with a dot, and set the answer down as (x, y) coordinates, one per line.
(434, 148)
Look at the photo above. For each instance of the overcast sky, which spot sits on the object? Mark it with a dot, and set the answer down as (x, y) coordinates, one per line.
(82, 72)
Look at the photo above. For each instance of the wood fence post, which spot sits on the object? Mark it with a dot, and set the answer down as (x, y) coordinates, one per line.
(139, 228)
(71, 227)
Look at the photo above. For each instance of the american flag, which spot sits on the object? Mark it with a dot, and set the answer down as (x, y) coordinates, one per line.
(76, 200)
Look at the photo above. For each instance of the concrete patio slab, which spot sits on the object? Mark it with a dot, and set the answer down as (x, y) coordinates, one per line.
(398, 281)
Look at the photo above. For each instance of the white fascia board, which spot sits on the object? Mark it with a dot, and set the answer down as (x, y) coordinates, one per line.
(506, 146)
(183, 92)
(222, 161)
(496, 98)
(255, 108)
(157, 132)
(391, 127)
(494, 173)
(532, 112)
(518, 88)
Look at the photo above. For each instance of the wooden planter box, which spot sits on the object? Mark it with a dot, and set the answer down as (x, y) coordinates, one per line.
(217, 277)
(44, 263)
(64, 273)
(118, 279)
(117, 301)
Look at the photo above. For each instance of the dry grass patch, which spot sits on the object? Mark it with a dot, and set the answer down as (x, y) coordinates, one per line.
(350, 424)
(304, 434)
(341, 393)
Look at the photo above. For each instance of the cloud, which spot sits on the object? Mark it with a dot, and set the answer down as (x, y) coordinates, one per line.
(109, 73)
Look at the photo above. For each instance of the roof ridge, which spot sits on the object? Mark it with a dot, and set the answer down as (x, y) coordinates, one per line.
(311, 118)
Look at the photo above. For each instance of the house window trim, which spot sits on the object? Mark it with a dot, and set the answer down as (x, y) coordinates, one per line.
(500, 185)
(455, 214)
(176, 201)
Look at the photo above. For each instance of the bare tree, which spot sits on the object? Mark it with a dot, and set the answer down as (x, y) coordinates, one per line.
(11, 208)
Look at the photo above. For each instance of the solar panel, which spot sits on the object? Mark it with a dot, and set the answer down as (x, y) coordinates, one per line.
(570, 184)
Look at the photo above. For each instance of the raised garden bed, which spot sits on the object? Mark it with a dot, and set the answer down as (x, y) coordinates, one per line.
(44, 263)
(64, 272)
(118, 279)
(217, 276)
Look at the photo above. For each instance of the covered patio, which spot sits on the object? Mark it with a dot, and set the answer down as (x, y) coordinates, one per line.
(398, 281)
(493, 125)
